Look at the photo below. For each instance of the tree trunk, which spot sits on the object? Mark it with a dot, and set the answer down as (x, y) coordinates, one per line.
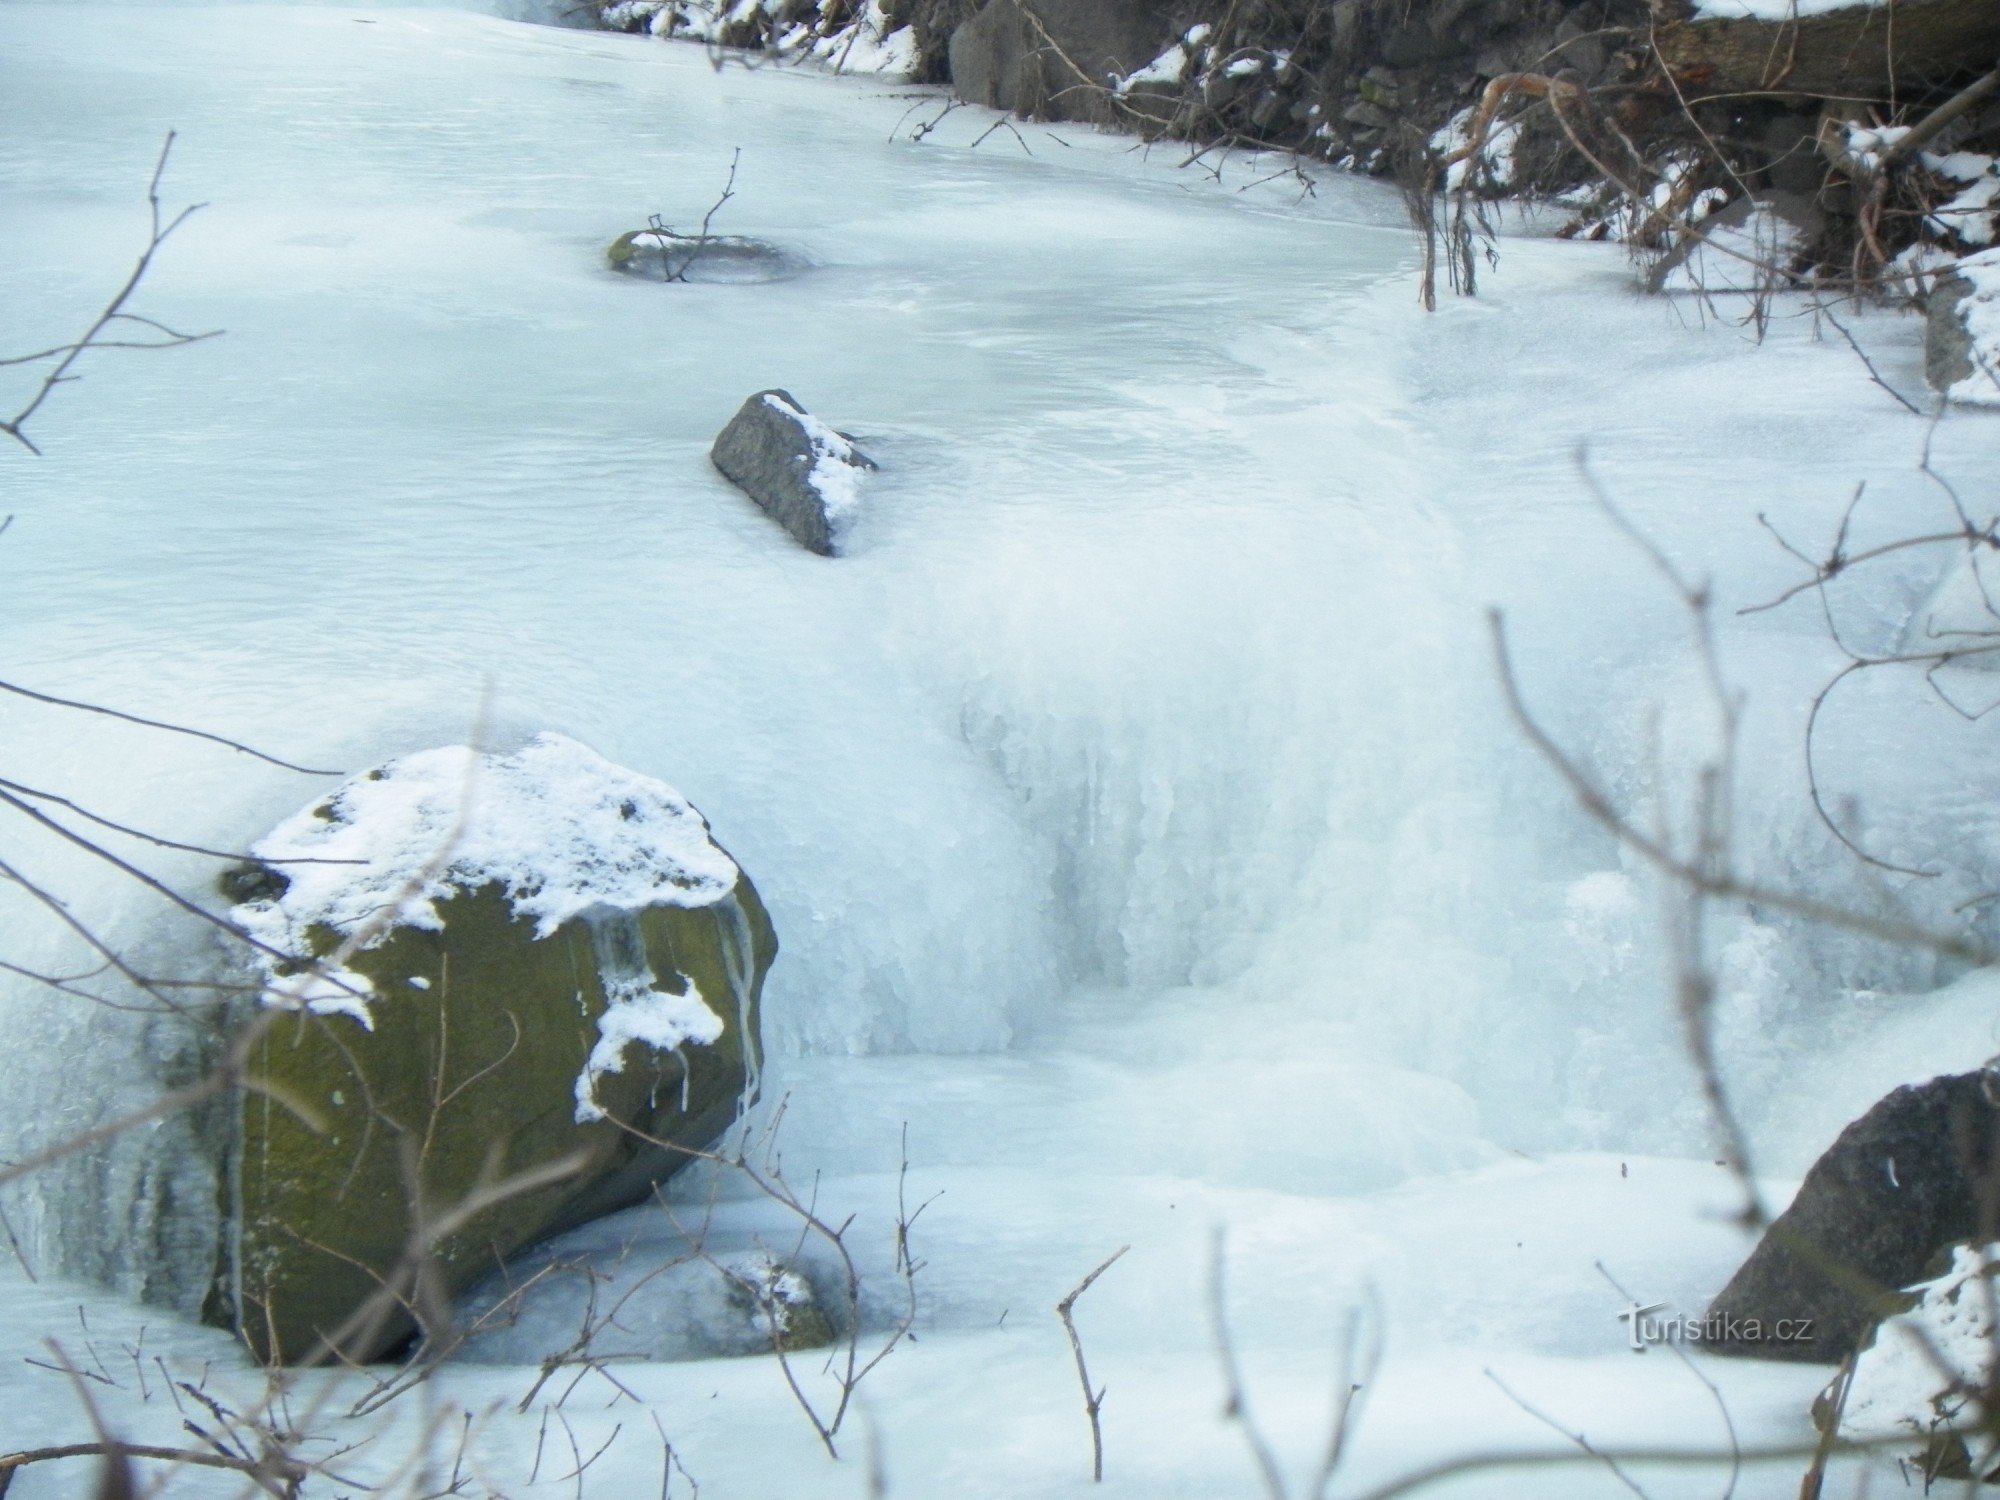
(1862, 51)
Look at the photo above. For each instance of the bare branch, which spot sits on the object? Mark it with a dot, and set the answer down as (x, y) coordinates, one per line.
(198, 734)
(1093, 1397)
(66, 355)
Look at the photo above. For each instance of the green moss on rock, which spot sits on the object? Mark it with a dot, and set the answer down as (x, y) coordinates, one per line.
(348, 1239)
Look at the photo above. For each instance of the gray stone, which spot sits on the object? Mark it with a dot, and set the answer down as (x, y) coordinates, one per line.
(1411, 46)
(800, 471)
(1899, 1187)
(1790, 147)
(1947, 341)
(1368, 116)
(1055, 59)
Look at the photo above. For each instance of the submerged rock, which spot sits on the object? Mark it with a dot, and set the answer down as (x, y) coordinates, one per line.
(643, 1301)
(530, 977)
(1899, 1188)
(805, 475)
(662, 255)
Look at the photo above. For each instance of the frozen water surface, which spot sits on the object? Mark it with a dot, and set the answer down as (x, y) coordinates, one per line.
(1135, 803)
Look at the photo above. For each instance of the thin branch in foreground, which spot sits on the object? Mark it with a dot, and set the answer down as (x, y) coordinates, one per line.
(159, 840)
(66, 355)
(145, 723)
(1236, 1401)
(1868, 364)
(1093, 1396)
(1582, 1442)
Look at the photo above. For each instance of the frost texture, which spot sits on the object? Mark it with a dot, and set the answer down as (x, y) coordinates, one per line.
(673, 1301)
(560, 829)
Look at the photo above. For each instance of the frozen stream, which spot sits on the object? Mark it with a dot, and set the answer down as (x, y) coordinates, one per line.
(1136, 806)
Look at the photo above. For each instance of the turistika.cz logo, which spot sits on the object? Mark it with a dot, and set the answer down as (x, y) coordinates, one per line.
(1651, 1324)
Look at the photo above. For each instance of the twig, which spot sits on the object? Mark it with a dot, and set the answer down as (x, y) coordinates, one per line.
(1236, 1401)
(198, 734)
(1093, 1397)
(1583, 1443)
(113, 312)
(1970, 97)
(1862, 354)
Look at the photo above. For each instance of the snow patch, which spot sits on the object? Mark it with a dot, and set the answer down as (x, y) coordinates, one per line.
(874, 43)
(1968, 217)
(560, 829)
(1491, 166)
(1981, 315)
(1775, 10)
(837, 464)
(1923, 1373)
(655, 1018)
(1169, 68)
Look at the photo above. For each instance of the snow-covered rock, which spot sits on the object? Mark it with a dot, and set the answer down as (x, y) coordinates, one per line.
(664, 255)
(497, 963)
(1962, 340)
(1898, 1187)
(805, 475)
(1832, 47)
(1924, 1370)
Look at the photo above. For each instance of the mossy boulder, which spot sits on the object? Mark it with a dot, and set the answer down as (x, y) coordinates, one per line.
(459, 1052)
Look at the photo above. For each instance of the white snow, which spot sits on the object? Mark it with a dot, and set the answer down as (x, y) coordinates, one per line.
(1135, 802)
(1774, 10)
(1981, 315)
(836, 469)
(661, 1019)
(871, 43)
(557, 827)
(1170, 67)
(1492, 165)
(1923, 1372)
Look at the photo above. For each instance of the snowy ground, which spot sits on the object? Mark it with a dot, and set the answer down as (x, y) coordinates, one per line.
(1135, 803)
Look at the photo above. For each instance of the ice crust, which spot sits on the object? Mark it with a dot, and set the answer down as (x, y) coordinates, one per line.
(1136, 804)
